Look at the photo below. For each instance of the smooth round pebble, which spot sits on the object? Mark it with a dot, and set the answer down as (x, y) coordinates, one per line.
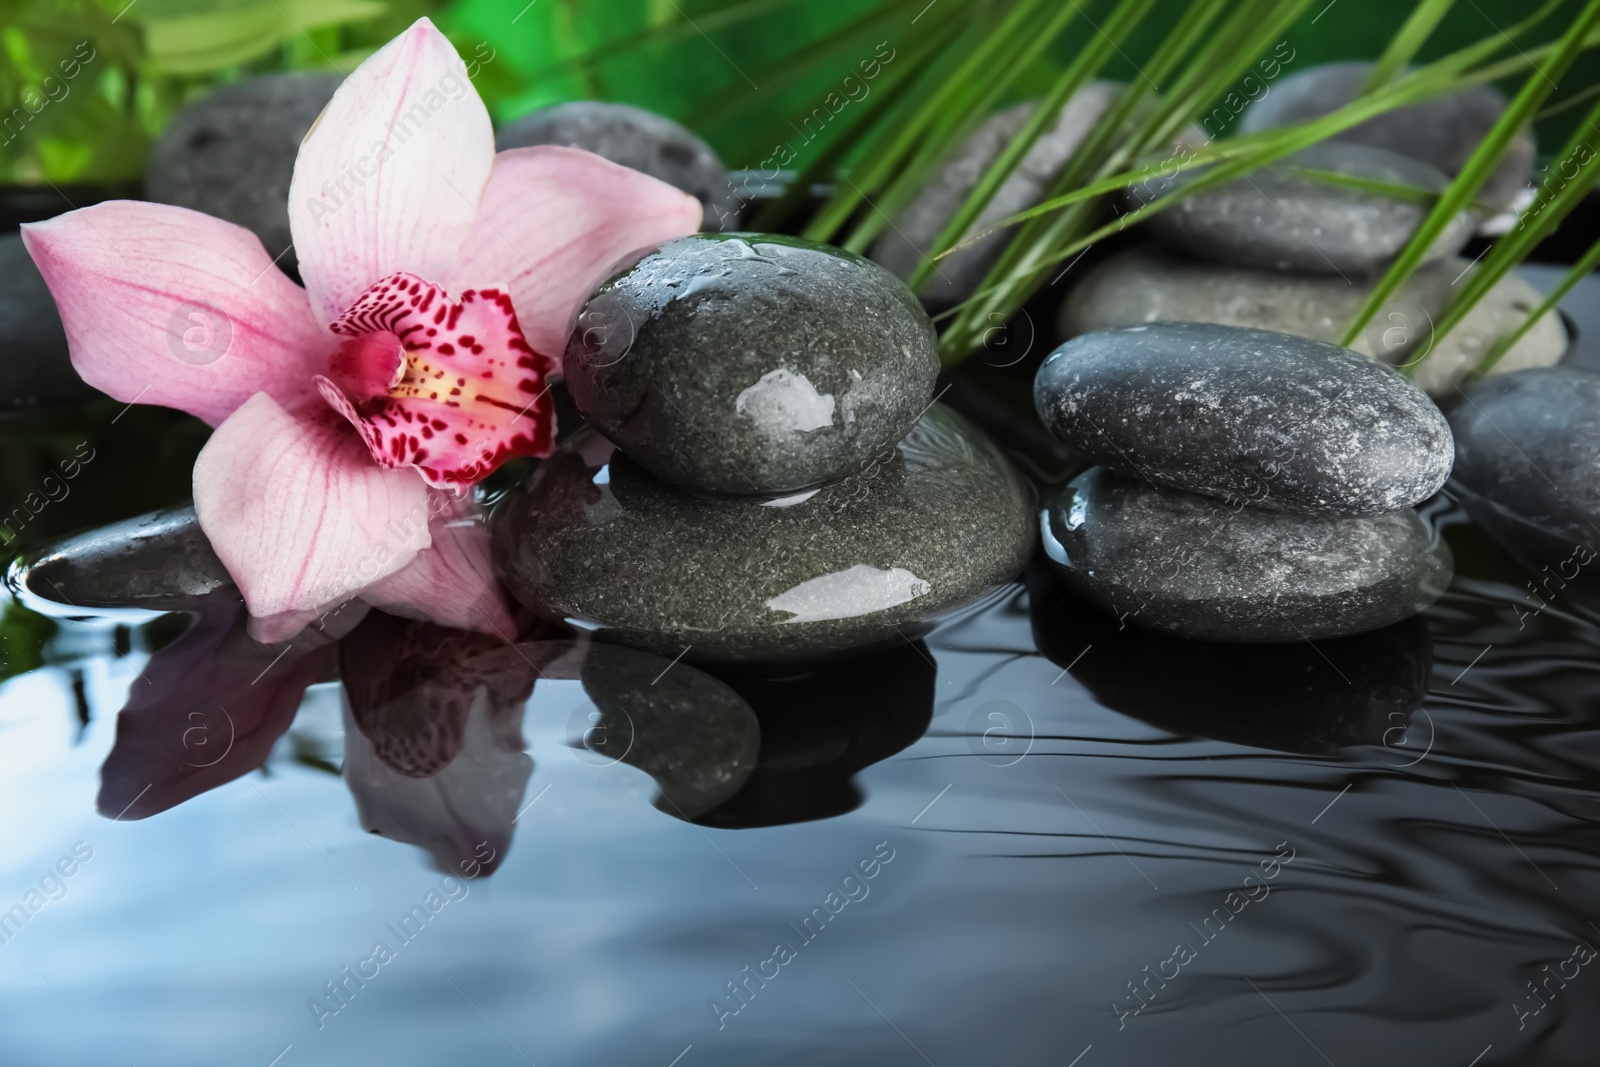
(1275, 421)
(642, 140)
(935, 523)
(231, 154)
(161, 561)
(1442, 132)
(1276, 219)
(1530, 443)
(904, 246)
(1197, 567)
(1154, 284)
(751, 363)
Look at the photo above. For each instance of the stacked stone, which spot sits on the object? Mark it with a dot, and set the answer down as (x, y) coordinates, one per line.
(1252, 486)
(1279, 249)
(767, 475)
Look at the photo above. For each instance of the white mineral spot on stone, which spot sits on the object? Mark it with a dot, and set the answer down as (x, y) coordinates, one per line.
(783, 402)
(847, 594)
(792, 499)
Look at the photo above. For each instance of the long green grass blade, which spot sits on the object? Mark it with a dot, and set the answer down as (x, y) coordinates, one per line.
(1477, 169)
(1403, 45)
(1580, 270)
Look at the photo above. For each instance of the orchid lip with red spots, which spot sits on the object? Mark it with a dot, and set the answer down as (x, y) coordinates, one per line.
(347, 434)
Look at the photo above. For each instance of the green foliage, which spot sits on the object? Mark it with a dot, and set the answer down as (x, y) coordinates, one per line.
(22, 637)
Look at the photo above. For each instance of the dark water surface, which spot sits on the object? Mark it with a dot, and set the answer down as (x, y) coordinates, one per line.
(1321, 873)
(1379, 850)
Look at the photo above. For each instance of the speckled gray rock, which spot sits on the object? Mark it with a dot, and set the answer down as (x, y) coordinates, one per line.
(636, 138)
(1275, 421)
(903, 245)
(936, 522)
(1276, 219)
(1153, 284)
(34, 367)
(1530, 442)
(160, 561)
(1442, 132)
(231, 154)
(748, 363)
(689, 731)
(1197, 567)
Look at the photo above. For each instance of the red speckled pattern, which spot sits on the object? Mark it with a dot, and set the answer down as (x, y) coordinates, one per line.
(449, 387)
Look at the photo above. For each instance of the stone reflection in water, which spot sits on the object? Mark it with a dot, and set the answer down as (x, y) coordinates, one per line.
(207, 709)
(1303, 697)
(434, 754)
(821, 726)
(690, 732)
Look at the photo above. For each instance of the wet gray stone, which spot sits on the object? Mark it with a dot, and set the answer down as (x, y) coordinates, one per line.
(689, 731)
(1276, 219)
(35, 369)
(1153, 284)
(1442, 132)
(748, 363)
(934, 523)
(1200, 568)
(903, 245)
(1530, 443)
(1278, 422)
(636, 138)
(231, 154)
(160, 562)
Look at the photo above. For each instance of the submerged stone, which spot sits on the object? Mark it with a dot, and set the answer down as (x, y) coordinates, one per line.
(1275, 218)
(751, 363)
(1197, 567)
(161, 561)
(934, 523)
(1279, 422)
(641, 140)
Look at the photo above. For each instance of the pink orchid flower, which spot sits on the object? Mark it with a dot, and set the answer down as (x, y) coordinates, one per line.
(353, 416)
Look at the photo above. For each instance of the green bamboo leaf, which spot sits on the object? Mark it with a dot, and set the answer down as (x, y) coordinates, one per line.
(1580, 270)
(1403, 45)
(1461, 191)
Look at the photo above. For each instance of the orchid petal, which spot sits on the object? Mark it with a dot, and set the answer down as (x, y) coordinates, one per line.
(553, 221)
(297, 511)
(467, 395)
(390, 175)
(167, 306)
(452, 582)
(205, 710)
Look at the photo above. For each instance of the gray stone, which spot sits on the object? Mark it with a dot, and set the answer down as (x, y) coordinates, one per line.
(1283, 423)
(636, 138)
(231, 154)
(1197, 567)
(689, 731)
(35, 369)
(160, 562)
(747, 363)
(1530, 442)
(934, 523)
(1152, 284)
(1276, 219)
(904, 244)
(1442, 132)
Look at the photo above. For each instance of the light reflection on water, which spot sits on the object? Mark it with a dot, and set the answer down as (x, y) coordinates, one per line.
(1032, 912)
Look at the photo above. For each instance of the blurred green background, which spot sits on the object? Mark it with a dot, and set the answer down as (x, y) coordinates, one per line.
(735, 70)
